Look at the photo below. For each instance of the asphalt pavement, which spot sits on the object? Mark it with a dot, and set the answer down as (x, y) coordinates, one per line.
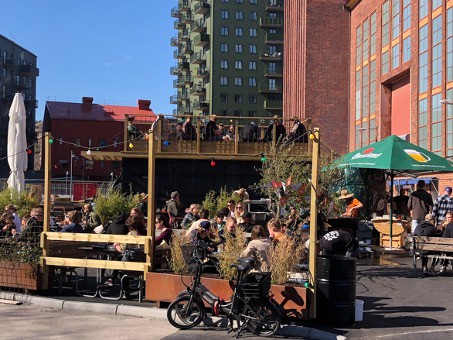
(397, 305)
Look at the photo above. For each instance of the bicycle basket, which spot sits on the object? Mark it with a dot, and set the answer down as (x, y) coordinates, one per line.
(255, 285)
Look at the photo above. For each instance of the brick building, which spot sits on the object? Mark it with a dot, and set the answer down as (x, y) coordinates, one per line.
(401, 73)
(316, 60)
(78, 127)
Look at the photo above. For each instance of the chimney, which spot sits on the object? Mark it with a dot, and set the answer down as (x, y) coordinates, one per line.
(87, 103)
(144, 104)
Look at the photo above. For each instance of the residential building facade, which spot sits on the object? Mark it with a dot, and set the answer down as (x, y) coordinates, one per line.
(229, 57)
(402, 73)
(18, 73)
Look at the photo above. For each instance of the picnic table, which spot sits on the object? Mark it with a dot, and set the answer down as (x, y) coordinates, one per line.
(399, 231)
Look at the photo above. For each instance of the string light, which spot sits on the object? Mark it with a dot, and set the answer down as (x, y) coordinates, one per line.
(89, 152)
(29, 151)
(131, 146)
(213, 162)
(263, 158)
(146, 137)
(166, 143)
(51, 141)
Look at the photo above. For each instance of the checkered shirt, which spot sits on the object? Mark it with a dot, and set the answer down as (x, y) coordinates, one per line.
(442, 205)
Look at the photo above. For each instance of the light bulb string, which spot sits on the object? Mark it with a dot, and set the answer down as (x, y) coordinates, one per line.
(29, 147)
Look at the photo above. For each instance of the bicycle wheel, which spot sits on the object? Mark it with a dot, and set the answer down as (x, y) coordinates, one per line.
(263, 318)
(184, 314)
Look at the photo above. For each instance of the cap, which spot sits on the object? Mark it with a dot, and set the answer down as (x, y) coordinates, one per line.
(205, 225)
(448, 189)
(246, 215)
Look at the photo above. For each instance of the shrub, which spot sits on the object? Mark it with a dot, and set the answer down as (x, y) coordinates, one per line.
(232, 248)
(178, 260)
(214, 203)
(24, 201)
(108, 205)
(287, 253)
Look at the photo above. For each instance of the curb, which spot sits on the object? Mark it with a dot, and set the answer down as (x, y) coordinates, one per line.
(151, 312)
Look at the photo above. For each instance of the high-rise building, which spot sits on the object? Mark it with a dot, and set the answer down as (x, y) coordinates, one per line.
(18, 72)
(229, 57)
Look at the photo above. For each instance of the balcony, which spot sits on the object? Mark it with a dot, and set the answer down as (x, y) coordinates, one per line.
(8, 62)
(182, 81)
(182, 97)
(273, 72)
(270, 89)
(271, 57)
(184, 6)
(174, 41)
(178, 25)
(184, 36)
(198, 58)
(28, 70)
(271, 22)
(274, 6)
(202, 105)
(187, 18)
(187, 48)
(274, 38)
(199, 26)
(184, 66)
(273, 105)
(177, 54)
(201, 7)
(174, 70)
(201, 39)
(175, 12)
(23, 84)
(200, 73)
(174, 99)
(198, 90)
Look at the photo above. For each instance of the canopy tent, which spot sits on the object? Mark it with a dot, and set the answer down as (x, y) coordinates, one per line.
(395, 156)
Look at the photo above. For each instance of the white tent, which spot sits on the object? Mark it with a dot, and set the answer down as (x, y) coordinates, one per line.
(17, 144)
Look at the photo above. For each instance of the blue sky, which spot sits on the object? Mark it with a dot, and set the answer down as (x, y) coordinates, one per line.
(117, 51)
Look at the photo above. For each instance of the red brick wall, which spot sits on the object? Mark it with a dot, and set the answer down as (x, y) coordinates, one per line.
(316, 67)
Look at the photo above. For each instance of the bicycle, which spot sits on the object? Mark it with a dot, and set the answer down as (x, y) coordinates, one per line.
(250, 305)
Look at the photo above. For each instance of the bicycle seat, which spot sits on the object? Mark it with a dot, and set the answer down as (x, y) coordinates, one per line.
(246, 260)
(243, 264)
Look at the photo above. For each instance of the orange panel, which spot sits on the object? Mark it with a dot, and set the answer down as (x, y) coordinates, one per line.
(401, 107)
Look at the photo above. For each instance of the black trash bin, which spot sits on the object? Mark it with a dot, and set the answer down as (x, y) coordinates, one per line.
(336, 290)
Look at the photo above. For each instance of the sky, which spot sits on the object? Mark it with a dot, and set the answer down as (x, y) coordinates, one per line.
(114, 51)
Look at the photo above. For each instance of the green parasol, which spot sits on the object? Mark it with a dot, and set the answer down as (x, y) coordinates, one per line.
(395, 156)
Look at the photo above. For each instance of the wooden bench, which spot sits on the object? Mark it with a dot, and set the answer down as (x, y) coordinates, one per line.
(422, 245)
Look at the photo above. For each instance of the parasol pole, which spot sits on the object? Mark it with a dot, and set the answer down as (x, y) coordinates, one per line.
(392, 176)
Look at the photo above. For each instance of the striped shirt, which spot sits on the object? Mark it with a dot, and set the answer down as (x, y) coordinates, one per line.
(442, 205)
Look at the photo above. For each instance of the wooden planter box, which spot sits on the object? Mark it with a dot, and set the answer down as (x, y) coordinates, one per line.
(164, 287)
(19, 275)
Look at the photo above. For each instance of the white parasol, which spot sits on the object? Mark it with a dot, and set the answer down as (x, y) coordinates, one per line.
(17, 144)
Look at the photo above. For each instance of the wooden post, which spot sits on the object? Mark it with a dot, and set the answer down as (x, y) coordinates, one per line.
(150, 207)
(236, 138)
(314, 218)
(159, 135)
(126, 133)
(198, 135)
(46, 222)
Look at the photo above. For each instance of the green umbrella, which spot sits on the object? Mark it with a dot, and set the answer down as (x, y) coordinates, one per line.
(394, 155)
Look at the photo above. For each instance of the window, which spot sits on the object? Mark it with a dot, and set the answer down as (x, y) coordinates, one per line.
(238, 81)
(225, 14)
(253, 16)
(237, 113)
(223, 47)
(225, 1)
(423, 8)
(437, 52)
(238, 98)
(16, 80)
(272, 68)
(272, 50)
(224, 31)
(238, 64)
(407, 49)
(395, 19)
(239, 1)
(373, 33)
(385, 62)
(224, 97)
(252, 82)
(450, 124)
(252, 49)
(423, 59)
(239, 15)
(366, 33)
(224, 64)
(253, 32)
(252, 113)
(423, 123)
(224, 81)
(252, 98)
(395, 56)
(436, 4)
(358, 57)
(436, 124)
(407, 15)
(76, 141)
(449, 52)
(358, 94)
(385, 23)
(372, 88)
(252, 65)
(253, 1)
(365, 92)
(272, 85)
(239, 31)
(238, 48)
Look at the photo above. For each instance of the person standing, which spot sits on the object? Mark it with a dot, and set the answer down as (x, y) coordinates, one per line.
(212, 129)
(420, 203)
(353, 205)
(442, 205)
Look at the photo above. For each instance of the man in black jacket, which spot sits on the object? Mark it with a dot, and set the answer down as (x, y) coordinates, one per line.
(448, 233)
(427, 228)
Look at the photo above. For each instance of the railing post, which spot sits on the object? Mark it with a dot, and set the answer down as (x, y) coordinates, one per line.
(159, 135)
(46, 222)
(150, 206)
(236, 138)
(198, 135)
(126, 133)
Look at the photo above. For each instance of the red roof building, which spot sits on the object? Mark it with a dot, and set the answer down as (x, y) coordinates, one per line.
(78, 127)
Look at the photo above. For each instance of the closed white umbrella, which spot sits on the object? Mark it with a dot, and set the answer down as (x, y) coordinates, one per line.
(17, 144)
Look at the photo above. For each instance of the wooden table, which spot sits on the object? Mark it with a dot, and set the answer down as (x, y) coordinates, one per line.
(399, 231)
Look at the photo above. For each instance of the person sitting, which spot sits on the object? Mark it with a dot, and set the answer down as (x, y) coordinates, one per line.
(136, 211)
(229, 229)
(219, 221)
(276, 232)
(247, 222)
(293, 220)
(91, 220)
(427, 228)
(191, 216)
(75, 223)
(221, 132)
(353, 205)
(231, 206)
(259, 249)
(230, 134)
(134, 133)
(239, 211)
(166, 234)
(204, 216)
(118, 225)
(17, 220)
(338, 242)
(448, 233)
(7, 225)
(31, 233)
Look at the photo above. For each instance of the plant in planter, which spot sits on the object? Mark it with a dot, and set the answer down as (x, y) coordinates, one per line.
(285, 256)
(108, 205)
(177, 260)
(24, 201)
(215, 202)
(232, 249)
